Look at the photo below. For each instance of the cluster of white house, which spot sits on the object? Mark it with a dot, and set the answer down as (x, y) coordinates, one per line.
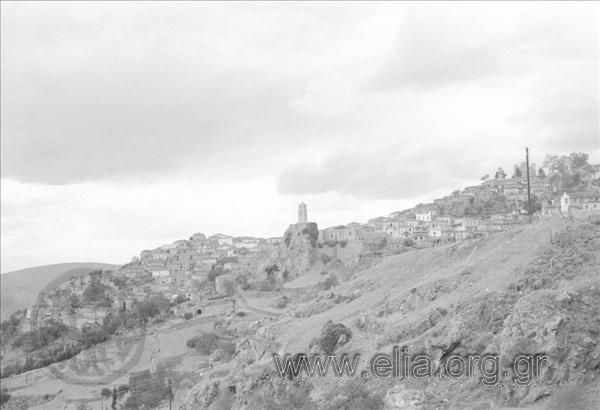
(172, 270)
(197, 255)
(430, 224)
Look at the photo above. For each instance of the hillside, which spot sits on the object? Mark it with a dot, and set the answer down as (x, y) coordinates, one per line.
(21, 287)
(530, 290)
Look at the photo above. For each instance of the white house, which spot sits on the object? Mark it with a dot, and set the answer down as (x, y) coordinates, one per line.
(565, 202)
(424, 217)
(160, 273)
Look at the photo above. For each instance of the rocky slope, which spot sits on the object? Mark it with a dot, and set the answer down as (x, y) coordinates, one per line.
(534, 290)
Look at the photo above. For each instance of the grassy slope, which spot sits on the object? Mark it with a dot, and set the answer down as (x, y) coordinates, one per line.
(20, 288)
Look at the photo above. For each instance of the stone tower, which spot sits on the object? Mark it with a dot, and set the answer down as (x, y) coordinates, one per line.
(302, 213)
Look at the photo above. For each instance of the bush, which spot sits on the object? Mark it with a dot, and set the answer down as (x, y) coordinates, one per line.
(285, 394)
(148, 390)
(96, 293)
(187, 316)
(313, 233)
(122, 389)
(281, 302)
(10, 327)
(328, 283)
(38, 338)
(4, 397)
(267, 285)
(152, 307)
(91, 335)
(180, 299)
(106, 392)
(354, 394)
(330, 334)
(243, 282)
(325, 258)
(205, 342)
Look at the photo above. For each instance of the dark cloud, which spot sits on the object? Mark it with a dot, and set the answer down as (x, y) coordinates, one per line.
(384, 174)
(566, 115)
(110, 93)
(440, 45)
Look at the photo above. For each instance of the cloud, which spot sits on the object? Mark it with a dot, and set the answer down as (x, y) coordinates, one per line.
(108, 92)
(443, 44)
(567, 114)
(383, 174)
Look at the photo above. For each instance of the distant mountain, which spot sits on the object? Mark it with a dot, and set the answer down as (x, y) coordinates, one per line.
(21, 287)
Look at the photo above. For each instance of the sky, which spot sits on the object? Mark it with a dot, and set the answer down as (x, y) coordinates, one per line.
(125, 126)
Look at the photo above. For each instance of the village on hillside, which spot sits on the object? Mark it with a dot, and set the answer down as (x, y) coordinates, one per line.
(197, 281)
(191, 271)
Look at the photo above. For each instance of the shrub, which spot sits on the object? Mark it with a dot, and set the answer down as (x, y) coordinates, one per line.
(330, 334)
(325, 258)
(285, 394)
(152, 307)
(313, 233)
(150, 390)
(243, 282)
(10, 327)
(205, 342)
(281, 302)
(329, 282)
(4, 397)
(180, 299)
(122, 389)
(91, 335)
(106, 392)
(187, 316)
(96, 293)
(38, 338)
(267, 285)
(354, 394)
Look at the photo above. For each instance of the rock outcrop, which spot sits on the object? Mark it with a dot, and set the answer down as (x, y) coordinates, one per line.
(297, 253)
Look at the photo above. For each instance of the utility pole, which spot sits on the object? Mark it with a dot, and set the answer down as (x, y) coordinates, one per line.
(528, 184)
(170, 394)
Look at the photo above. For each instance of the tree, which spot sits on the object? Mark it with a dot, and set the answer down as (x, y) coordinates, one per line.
(106, 392)
(500, 174)
(554, 163)
(577, 160)
(485, 177)
(114, 398)
(152, 307)
(330, 335)
(541, 174)
(180, 299)
(518, 173)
